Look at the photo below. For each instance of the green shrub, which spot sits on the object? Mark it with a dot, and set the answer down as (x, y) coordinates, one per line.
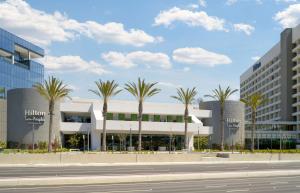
(42, 145)
(2, 145)
(74, 140)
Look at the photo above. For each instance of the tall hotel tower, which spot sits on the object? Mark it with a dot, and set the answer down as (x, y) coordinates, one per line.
(276, 75)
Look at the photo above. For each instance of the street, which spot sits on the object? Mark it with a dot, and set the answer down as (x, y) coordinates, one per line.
(259, 185)
(45, 171)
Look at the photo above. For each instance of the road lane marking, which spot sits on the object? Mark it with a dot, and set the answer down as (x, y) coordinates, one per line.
(274, 183)
(215, 186)
(123, 191)
(240, 190)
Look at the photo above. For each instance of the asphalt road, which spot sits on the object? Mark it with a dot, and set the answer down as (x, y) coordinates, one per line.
(258, 185)
(13, 172)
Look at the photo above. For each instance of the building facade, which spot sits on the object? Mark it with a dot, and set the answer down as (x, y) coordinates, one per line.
(234, 124)
(162, 123)
(17, 68)
(22, 131)
(276, 75)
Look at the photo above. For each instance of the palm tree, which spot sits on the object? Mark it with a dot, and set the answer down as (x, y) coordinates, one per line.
(222, 95)
(52, 90)
(141, 91)
(254, 101)
(105, 90)
(186, 97)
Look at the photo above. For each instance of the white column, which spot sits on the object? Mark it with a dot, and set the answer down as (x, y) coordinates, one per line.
(95, 139)
(12, 59)
(191, 142)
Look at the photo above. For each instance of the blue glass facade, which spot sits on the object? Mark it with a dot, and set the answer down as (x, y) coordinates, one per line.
(17, 68)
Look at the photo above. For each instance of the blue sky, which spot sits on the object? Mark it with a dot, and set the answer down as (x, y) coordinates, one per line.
(176, 43)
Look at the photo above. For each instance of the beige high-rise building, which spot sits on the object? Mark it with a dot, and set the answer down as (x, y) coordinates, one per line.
(276, 75)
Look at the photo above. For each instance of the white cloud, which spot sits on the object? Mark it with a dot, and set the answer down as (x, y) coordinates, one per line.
(243, 27)
(71, 64)
(115, 33)
(132, 59)
(169, 84)
(286, 1)
(44, 28)
(202, 3)
(73, 87)
(193, 6)
(199, 56)
(231, 2)
(290, 17)
(191, 18)
(186, 69)
(255, 58)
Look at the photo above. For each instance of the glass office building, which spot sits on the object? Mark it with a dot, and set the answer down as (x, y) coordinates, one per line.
(17, 66)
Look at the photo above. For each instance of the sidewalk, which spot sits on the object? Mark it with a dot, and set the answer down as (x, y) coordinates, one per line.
(42, 181)
(221, 161)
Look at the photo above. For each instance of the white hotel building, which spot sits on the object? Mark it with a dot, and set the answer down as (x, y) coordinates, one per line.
(159, 119)
(161, 122)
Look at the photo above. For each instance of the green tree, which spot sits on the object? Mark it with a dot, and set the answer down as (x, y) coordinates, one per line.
(2, 92)
(222, 95)
(52, 90)
(74, 140)
(186, 97)
(141, 91)
(254, 101)
(105, 90)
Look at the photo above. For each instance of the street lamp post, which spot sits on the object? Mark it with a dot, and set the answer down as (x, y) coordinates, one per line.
(198, 139)
(88, 138)
(32, 135)
(130, 139)
(83, 136)
(112, 138)
(231, 134)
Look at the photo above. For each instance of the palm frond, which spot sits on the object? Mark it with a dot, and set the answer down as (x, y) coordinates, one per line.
(53, 89)
(185, 96)
(142, 90)
(106, 89)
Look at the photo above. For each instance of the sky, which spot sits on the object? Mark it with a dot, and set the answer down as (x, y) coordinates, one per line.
(190, 43)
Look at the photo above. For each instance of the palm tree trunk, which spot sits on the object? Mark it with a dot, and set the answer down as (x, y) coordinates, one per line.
(104, 113)
(186, 118)
(253, 130)
(222, 126)
(51, 109)
(140, 125)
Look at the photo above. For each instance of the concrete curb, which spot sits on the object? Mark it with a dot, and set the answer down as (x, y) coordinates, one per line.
(139, 178)
(150, 163)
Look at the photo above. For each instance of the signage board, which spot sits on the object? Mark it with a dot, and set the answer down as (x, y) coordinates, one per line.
(34, 115)
(233, 123)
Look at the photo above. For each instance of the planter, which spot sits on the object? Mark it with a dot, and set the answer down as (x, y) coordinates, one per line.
(162, 148)
(130, 148)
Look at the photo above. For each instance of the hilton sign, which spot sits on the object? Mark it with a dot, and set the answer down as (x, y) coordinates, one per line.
(34, 116)
(233, 123)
